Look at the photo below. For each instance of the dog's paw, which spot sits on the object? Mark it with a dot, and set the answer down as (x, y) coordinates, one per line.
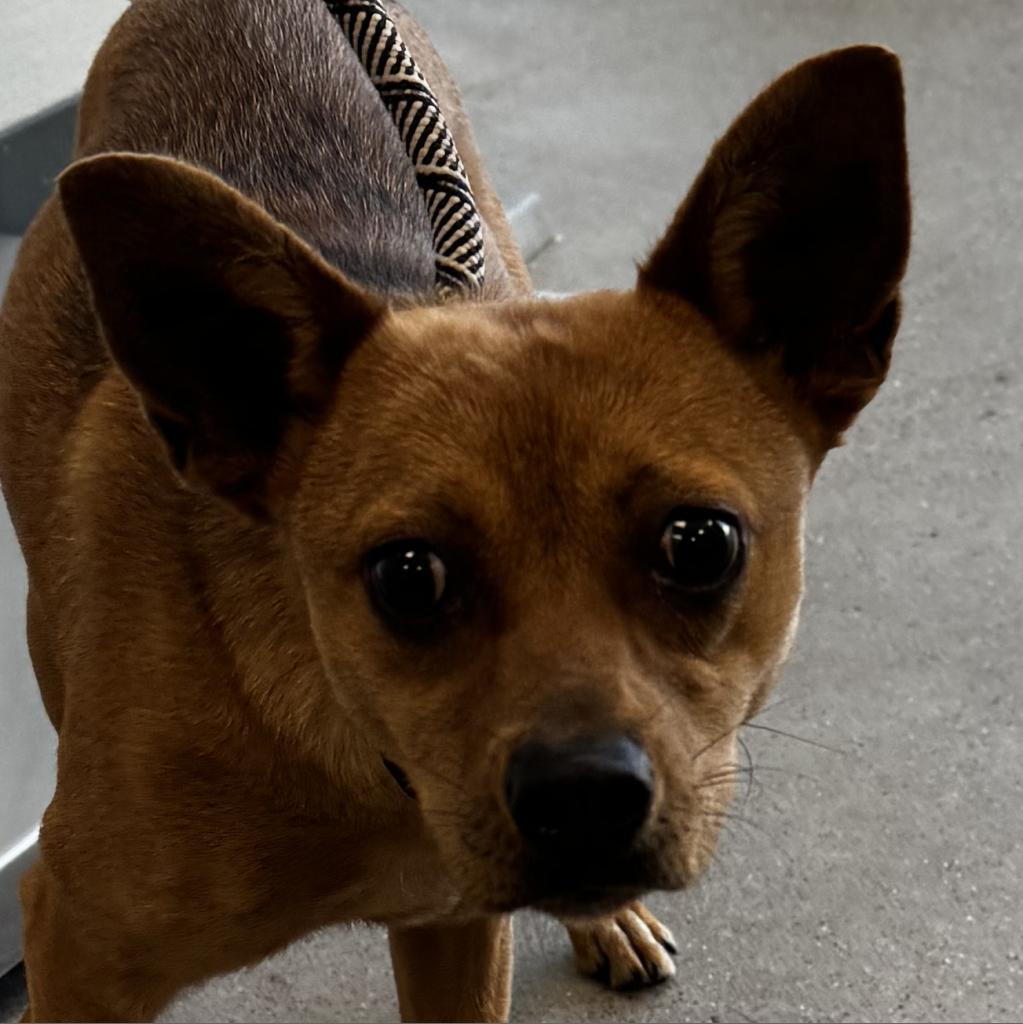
(627, 950)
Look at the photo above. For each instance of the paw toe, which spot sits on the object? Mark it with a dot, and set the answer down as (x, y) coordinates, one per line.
(628, 950)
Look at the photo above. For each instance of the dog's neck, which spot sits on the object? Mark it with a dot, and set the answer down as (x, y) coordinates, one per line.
(316, 149)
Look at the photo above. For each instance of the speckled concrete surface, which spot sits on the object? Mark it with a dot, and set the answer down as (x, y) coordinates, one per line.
(881, 881)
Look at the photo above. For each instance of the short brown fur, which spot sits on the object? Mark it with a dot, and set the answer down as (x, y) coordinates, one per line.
(223, 383)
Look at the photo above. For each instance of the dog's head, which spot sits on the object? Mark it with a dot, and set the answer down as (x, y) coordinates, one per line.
(551, 551)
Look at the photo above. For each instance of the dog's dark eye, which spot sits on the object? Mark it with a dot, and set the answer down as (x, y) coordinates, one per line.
(407, 580)
(701, 550)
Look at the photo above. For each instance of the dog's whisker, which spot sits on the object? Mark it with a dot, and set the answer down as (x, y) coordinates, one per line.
(736, 771)
(779, 702)
(719, 778)
(751, 774)
(793, 736)
(713, 743)
(731, 771)
(716, 783)
(715, 815)
(723, 817)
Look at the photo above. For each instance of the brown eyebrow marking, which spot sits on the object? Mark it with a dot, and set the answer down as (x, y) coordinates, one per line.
(691, 484)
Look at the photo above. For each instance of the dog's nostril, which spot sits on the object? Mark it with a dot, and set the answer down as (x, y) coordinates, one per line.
(586, 795)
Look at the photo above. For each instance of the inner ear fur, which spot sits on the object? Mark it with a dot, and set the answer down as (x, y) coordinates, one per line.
(231, 329)
(794, 237)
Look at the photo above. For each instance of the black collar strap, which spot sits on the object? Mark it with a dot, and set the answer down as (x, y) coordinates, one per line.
(457, 229)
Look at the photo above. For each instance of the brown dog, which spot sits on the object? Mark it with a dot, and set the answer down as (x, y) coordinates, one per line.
(350, 606)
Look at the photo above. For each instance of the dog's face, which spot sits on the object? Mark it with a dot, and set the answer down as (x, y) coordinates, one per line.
(559, 525)
(550, 552)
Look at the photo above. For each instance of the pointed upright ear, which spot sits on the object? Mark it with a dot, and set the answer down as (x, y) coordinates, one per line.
(795, 235)
(231, 329)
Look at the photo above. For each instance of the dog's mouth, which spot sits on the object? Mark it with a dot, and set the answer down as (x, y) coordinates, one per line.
(400, 778)
(584, 885)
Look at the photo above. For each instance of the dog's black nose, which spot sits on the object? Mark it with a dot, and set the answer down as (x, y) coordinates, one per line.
(582, 797)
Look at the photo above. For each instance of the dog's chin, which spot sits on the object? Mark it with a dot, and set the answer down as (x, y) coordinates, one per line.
(586, 903)
(588, 890)
(579, 904)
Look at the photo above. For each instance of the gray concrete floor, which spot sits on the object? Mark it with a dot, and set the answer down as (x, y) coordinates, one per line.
(881, 881)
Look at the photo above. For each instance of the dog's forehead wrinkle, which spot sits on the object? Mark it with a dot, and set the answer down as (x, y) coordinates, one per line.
(539, 421)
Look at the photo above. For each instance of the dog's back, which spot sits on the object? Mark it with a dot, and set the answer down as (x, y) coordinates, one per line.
(269, 96)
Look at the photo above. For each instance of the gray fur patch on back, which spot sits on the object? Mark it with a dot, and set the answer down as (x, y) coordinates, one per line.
(268, 95)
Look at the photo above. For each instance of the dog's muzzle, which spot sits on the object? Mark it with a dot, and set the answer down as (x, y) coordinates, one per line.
(585, 798)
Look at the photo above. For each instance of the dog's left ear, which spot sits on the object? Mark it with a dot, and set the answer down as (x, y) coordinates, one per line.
(230, 328)
(795, 235)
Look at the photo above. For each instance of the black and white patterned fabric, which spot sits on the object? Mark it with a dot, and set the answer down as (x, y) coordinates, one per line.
(457, 229)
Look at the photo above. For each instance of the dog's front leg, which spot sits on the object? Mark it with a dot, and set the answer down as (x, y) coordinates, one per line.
(456, 972)
(627, 949)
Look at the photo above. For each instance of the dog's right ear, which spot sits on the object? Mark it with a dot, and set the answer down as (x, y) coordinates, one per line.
(795, 235)
(230, 328)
